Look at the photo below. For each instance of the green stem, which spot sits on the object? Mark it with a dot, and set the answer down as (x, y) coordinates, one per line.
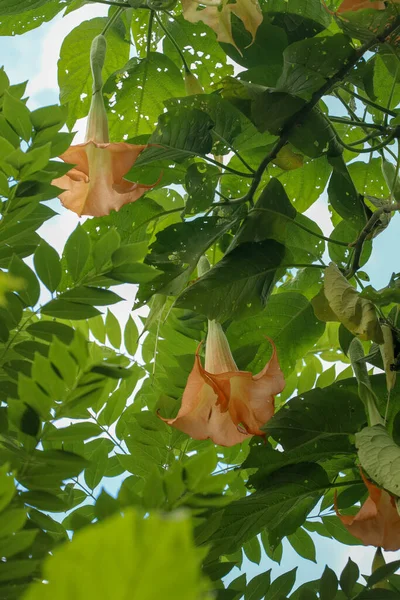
(369, 227)
(368, 137)
(222, 139)
(149, 32)
(87, 492)
(356, 123)
(387, 111)
(173, 42)
(112, 20)
(109, 3)
(367, 150)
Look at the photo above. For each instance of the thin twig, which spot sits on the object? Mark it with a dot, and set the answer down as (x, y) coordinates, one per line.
(111, 20)
(173, 42)
(369, 227)
(392, 113)
(355, 123)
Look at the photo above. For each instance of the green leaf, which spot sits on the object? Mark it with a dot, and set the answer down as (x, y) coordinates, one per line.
(113, 330)
(383, 572)
(328, 437)
(140, 89)
(200, 182)
(18, 542)
(47, 329)
(281, 507)
(343, 195)
(258, 587)
(44, 501)
(303, 544)
(63, 309)
(252, 550)
(349, 577)
(17, 18)
(76, 251)
(288, 320)
(131, 336)
(31, 291)
(128, 548)
(74, 76)
(75, 432)
(105, 506)
(309, 63)
(243, 277)
(84, 294)
(190, 39)
(18, 115)
(104, 248)
(178, 248)
(380, 457)
(180, 133)
(282, 585)
(12, 520)
(94, 473)
(328, 584)
(48, 265)
(7, 487)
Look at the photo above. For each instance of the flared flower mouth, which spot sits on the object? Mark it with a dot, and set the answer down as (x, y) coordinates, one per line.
(377, 523)
(225, 404)
(96, 184)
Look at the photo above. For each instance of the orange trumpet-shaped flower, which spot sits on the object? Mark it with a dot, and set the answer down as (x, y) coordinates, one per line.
(96, 184)
(377, 523)
(225, 404)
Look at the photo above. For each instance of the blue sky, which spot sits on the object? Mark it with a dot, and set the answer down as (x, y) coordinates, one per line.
(33, 57)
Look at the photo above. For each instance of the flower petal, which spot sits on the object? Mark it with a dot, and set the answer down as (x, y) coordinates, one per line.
(377, 523)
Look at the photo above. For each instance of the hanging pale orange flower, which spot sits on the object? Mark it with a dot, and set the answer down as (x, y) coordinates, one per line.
(96, 184)
(217, 15)
(377, 523)
(353, 5)
(225, 404)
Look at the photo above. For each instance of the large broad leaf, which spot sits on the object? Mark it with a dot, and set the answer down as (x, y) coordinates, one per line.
(129, 562)
(356, 313)
(180, 133)
(194, 39)
(343, 195)
(309, 63)
(178, 248)
(306, 432)
(74, 76)
(19, 17)
(140, 89)
(242, 280)
(380, 457)
(281, 508)
(288, 320)
(274, 217)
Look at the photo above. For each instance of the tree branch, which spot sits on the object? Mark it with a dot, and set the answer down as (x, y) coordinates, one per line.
(369, 227)
(300, 115)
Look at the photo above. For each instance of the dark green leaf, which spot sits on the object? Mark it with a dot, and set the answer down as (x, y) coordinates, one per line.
(328, 584)
(63, 309)
(84, 294)
(31, 291)
(242, 280)
(48, 266)
(17, 114)
(258, 587)
(349, 577)
(76, 251)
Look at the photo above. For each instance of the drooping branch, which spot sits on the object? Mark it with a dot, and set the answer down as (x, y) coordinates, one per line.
(300, 115)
